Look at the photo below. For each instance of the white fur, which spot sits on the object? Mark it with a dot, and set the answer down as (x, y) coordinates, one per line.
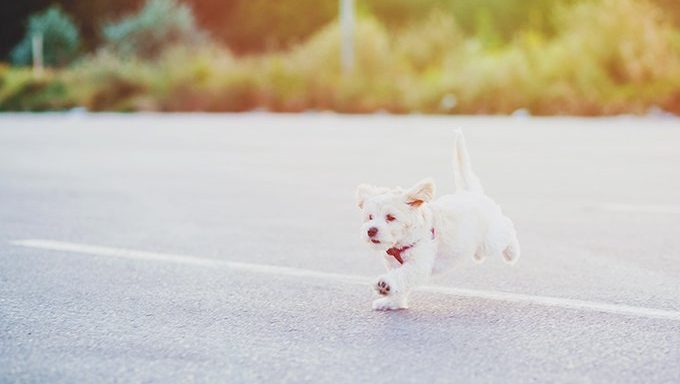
(466, 224)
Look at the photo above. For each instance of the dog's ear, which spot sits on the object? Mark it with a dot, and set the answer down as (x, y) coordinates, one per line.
(420, 193)
(364, 191)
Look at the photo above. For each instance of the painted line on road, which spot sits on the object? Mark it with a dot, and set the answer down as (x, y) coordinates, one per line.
(640, 208)
(581, 305)
(123, 253)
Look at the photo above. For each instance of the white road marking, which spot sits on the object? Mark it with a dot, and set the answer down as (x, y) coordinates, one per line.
(640, 208)
(122, 253)
(582, 305)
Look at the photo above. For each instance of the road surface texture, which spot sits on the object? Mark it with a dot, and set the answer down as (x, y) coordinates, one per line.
(225, 248)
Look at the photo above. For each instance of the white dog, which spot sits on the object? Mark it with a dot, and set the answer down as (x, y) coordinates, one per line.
(418, 236)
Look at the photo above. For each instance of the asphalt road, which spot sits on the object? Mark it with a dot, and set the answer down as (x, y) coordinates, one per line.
(218, 202)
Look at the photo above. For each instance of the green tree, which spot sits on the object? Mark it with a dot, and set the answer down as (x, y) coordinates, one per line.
(158, 25)
(61, 38)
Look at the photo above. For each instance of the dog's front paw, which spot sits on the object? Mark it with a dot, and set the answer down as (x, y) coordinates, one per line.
(388, 304)
(384, 285)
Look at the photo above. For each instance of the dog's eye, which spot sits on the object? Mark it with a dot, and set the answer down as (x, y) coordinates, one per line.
(370, 217)
(390, 218)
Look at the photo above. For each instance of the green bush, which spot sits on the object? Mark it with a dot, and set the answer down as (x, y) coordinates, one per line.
(426, 44)
(21, 91)
(631, 40)
(108, 82)
(591, 66)
(618, 54)
(159, 24)
(60, 39)
(321, 53)
(206, 79)
(500, 19)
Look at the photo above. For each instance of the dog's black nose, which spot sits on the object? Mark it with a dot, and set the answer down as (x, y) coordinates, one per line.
(372, 231)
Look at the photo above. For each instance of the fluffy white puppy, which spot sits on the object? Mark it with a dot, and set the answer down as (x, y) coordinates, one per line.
(418, 236)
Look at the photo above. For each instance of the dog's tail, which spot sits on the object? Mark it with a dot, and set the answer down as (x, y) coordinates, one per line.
(466, 180)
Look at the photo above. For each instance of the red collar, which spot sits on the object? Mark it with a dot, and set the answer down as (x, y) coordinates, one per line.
(396, 252)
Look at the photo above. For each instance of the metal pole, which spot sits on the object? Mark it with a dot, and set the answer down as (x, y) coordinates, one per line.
(347, 35)
(38, 54)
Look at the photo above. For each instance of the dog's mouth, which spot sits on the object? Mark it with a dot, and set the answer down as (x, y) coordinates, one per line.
(374, 241)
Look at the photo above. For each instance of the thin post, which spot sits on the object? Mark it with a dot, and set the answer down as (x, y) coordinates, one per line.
(347, 35)
(38, 64)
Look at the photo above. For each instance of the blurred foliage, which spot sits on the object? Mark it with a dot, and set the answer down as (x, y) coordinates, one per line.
(92, 14)
(87, 15)
(159, 24)
(263, 25)
(249, 26)
(593, 65)
(429, 42)
(581, 57)
(60, 39)
(20, 90)
(499, 19)
(13, 20)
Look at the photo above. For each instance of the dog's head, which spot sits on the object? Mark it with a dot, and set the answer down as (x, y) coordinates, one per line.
(394, 217)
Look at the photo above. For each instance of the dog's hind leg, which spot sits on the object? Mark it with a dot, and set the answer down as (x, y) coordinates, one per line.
(501, 241)
(511, 249)
(511, 252)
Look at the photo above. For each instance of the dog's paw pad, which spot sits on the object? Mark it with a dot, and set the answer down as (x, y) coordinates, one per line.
(510, 255)
(479, 256)
(382, 287)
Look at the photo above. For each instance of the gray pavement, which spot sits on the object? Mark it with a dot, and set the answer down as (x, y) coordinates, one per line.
(596, 203)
